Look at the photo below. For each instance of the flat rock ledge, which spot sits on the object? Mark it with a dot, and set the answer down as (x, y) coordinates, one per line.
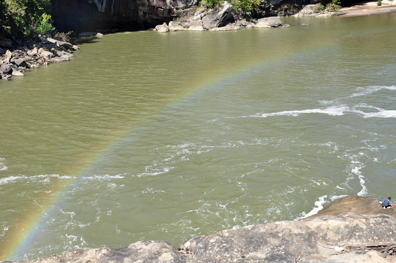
(20, 55)
(347, 237)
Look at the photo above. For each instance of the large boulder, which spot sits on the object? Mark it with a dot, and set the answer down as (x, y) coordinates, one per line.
(268, 22)
(196, 26)
(356, 204)
(60, 43)
(317, 239)
(162, 28)
(5, 69)
(217, 19)
(175, 27)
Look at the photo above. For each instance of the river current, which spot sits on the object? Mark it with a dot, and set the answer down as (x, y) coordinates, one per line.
(147, 136)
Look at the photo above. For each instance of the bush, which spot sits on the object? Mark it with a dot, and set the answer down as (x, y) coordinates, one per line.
(210, 3)
(379, 3)
(45, 26)
(25, 17)
(245, 5)
(333, 7)
(319, 8)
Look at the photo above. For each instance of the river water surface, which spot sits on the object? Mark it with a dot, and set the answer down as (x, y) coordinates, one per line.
(147, 136)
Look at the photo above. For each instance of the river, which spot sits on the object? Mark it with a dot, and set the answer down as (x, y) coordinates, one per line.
(147, 136)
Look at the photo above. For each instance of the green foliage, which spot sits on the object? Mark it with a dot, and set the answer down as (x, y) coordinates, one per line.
(379, 3)
(25, 17)
(332, 7)
(245, 5)
(319, 8)
(45, 25)
(210, 3)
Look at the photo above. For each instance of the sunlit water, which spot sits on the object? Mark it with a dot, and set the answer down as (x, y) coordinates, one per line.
(168, 136)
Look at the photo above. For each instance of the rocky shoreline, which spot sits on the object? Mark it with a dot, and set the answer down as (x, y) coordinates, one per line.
(336, 234)
(20, 55)
(220, 19)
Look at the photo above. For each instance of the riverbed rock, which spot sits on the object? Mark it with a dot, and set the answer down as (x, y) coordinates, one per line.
(217, 19)
(268, 22)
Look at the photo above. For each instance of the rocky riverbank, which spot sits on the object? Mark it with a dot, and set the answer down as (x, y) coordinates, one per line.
(334, 235)
(20, 55)
(220, 19)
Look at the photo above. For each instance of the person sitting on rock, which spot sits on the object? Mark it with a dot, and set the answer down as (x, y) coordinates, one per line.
(386, 203)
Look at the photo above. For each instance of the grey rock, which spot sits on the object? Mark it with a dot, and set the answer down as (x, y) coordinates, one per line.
(162, 28)
(285, 241)
(268, 22)
(218, 19)
(5, 69)
(229, 27)
(306, 11)
(20, 63)
(99, 35)
(175, 27)
(32, 52)
(356, 204)
(45, 54)
(5, 43)
(286, 26)
(196, 26)
(60, 43)
(17, 73)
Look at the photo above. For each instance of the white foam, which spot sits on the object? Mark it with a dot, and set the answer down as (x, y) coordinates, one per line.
(371, 90)
(3, 167)
(106, 177)
(150, 171)
(356, 170)
(318, 206)
(332, 111)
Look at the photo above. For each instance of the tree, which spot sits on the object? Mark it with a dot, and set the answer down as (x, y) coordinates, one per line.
(26, 17)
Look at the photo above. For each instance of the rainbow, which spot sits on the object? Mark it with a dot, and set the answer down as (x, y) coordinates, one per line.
(28, 230)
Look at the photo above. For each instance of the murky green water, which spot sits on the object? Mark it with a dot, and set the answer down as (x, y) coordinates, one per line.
(168, 136)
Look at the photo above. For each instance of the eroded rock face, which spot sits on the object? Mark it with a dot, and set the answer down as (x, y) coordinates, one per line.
(91, 15)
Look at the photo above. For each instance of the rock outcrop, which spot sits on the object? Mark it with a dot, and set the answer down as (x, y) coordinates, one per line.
(15, 58)
(215, 20)
(347, 237)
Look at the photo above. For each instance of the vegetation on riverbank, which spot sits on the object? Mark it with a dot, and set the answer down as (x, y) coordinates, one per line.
(25, 17)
